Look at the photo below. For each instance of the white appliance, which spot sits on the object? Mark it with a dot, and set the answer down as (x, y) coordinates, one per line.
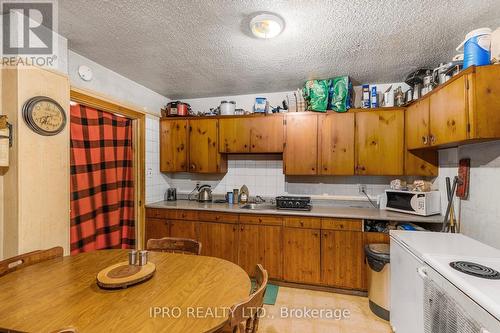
(412, 202)
(429, 295)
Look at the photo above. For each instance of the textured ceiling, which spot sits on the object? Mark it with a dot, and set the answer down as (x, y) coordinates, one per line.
(203, 48)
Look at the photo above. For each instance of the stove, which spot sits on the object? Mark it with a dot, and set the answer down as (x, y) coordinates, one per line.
(293, 203)
(476, 269)
(477, 277)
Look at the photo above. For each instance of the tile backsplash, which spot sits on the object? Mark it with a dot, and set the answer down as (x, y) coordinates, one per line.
(156, 182)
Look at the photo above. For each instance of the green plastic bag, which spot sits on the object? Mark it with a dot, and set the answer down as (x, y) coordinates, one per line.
(316, 94)
(340, 94)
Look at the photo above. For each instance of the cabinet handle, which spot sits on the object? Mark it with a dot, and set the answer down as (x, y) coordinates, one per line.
(425, 139)
(242, 228)
(432, 139)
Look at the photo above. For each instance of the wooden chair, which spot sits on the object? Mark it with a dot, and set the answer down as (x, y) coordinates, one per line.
(27, 259)
(244, 316)
(175, 245)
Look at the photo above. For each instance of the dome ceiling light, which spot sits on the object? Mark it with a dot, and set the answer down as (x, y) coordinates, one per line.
(267, 25)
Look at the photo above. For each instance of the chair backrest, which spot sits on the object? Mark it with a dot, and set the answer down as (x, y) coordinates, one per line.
(23, 260)
(175, 245)
(249, 310)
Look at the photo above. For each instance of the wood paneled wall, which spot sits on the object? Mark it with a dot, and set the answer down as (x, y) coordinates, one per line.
(36, 185)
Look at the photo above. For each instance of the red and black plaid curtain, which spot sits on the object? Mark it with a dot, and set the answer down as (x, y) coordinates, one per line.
(102, 187)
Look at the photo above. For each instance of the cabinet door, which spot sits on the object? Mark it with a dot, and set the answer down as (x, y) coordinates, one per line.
(234, 135)
(342, 259)
(336, 144)
(261, 245)
(417, 124)
(173, 145)
(421, 163)
(204, 156)
(301, 148)
(156, 228)
(183, 229)
(219, 240)
(301, 255)
(448, 113)
(380, 142)
(267, 134)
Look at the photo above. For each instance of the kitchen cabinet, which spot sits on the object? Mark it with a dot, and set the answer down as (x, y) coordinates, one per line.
(219, 240)
(301, 255)
(448, 113)
(380, 142)
(253, 134)
(234, 135)
(301, 144)
(204, 156)
(342, 259)
(261, 244)
(465, 109)
(417, 124)
(173, 145)
(156, 228)
(267, 134)
(183, 229)
(336, 144)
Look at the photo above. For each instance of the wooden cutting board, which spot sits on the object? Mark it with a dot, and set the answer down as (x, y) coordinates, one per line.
(123, 275)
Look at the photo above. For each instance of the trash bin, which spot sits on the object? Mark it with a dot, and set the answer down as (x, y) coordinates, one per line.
(379, 278)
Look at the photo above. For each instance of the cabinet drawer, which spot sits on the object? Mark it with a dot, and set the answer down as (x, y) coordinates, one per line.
(303, 222)
(158, 213)
(177, 214)
(218, 217)
(261, 219)
(342, 224)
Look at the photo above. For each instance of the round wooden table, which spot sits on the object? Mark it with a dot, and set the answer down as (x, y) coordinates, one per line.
(187, 294)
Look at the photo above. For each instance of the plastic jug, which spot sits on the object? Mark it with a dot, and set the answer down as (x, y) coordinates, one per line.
(477, 47)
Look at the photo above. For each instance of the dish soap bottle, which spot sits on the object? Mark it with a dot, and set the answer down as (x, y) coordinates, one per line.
(244, 194)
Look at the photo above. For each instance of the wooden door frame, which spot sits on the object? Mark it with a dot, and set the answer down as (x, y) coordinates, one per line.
(104, 103)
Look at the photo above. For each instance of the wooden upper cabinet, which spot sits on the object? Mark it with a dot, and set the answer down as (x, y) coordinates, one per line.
(417, 124)
(301, 149)
(204, 156)
(255, 134)
(449, 113)
(173, 145)
(380, 142)
(267, 134)
(484, 102)
(234, 135)
(336, 144)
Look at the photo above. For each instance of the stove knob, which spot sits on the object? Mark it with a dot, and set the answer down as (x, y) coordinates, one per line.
(290, 204)
(297, 204)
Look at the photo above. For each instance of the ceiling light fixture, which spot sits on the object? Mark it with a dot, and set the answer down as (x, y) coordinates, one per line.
(267, 25)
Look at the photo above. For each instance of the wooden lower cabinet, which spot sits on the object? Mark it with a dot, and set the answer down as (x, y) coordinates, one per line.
(301, 255)
(219, 240)
(157, 228)
(261, 244)
(300, 249)
(183, 229)
(342, 259)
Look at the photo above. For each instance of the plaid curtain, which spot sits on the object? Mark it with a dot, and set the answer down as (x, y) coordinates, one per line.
(102, 187)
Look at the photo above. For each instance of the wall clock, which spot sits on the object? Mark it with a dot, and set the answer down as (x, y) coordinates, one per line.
(44, 115)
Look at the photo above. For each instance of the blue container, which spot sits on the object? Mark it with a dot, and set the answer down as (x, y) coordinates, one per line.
(477, 48)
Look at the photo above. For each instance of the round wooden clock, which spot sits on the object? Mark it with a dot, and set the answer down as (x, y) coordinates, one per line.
(44, 115)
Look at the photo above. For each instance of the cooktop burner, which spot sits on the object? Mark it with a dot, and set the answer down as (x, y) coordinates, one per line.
(475, 270)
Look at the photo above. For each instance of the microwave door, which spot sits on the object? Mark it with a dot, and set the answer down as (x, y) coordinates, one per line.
(401, 201)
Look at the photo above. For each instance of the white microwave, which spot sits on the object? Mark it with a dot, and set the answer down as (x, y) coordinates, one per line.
(411, 202)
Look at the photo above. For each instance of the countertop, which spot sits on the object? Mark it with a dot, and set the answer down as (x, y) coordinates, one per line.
(317, 210)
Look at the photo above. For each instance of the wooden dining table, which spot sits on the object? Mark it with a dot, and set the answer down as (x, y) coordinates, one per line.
(187, 293)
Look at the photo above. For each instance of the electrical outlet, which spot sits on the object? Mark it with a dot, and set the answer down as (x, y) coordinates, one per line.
(362, 188)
